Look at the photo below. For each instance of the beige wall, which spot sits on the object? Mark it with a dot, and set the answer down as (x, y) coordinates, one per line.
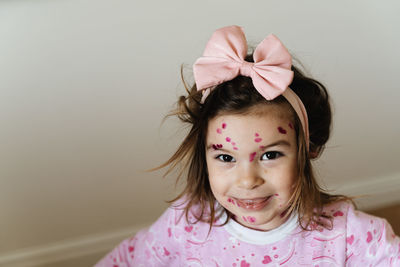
(84, 86)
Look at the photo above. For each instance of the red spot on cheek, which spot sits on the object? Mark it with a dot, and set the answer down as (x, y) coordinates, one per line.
(281, 130)
(257, 140)
(228, 139)
(235, 148)
(252, 155)
(290, 125)
(276, 195)
(257, 134)
(223, 125)
(219, 131)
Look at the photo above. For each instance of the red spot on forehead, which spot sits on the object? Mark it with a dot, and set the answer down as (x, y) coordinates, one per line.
(223, 125)
(281, 130)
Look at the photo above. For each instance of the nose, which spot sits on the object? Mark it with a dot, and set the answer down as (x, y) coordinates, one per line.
(249, 179)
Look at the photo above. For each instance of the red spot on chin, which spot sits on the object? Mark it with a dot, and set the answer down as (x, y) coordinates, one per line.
(223, 125)
(338, 213)
(227, 139)
(252, 155)
(281, 130)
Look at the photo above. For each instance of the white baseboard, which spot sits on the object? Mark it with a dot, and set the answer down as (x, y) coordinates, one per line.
(374, 193)
(380, 192)
(67, 249)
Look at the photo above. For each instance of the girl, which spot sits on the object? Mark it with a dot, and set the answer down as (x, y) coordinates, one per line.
(251, 198)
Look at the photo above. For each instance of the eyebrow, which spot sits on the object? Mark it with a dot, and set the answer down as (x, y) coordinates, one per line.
(211, 146)
(277, 143)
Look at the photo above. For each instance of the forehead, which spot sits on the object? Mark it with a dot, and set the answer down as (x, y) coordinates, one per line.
(267, 119)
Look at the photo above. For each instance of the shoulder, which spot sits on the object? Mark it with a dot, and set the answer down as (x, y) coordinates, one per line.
(369, 239)
(160, 244)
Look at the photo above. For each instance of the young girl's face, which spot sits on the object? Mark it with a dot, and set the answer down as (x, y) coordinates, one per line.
(252, 165)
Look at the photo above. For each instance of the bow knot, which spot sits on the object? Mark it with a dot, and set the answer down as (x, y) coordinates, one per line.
(223, 60)
(246, 68)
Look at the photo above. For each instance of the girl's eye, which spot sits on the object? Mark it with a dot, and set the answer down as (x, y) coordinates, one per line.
(226, 158)
(271, 155)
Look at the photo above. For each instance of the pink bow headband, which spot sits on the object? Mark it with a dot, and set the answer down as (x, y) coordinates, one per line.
(223, 60)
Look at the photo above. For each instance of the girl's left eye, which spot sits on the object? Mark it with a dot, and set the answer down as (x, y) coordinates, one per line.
(226, 158)
(271, 155)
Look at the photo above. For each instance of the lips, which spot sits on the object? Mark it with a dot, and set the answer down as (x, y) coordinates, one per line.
(254, 203)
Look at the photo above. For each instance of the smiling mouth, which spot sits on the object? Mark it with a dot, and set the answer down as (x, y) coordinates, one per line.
(253, 204)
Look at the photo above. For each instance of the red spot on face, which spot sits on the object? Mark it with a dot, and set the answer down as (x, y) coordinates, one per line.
(257, 134)
(262, 147)
(258, 140)
(188, 228)
(217, 146)
(228, 139)
(281, 130)
(223, 125)
(130, 248)
(276, 195)
(290, 125)
(251, 219)
(235, 148)
(244, 219)
(338, 213)
(252, 155)
(219, 131)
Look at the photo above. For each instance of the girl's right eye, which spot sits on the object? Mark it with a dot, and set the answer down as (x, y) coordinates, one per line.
(225, 158)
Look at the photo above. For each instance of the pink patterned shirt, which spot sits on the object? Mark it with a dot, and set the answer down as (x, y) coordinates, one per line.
(356, 239)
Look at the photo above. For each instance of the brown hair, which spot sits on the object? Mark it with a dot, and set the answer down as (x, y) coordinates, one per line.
(238, 96)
